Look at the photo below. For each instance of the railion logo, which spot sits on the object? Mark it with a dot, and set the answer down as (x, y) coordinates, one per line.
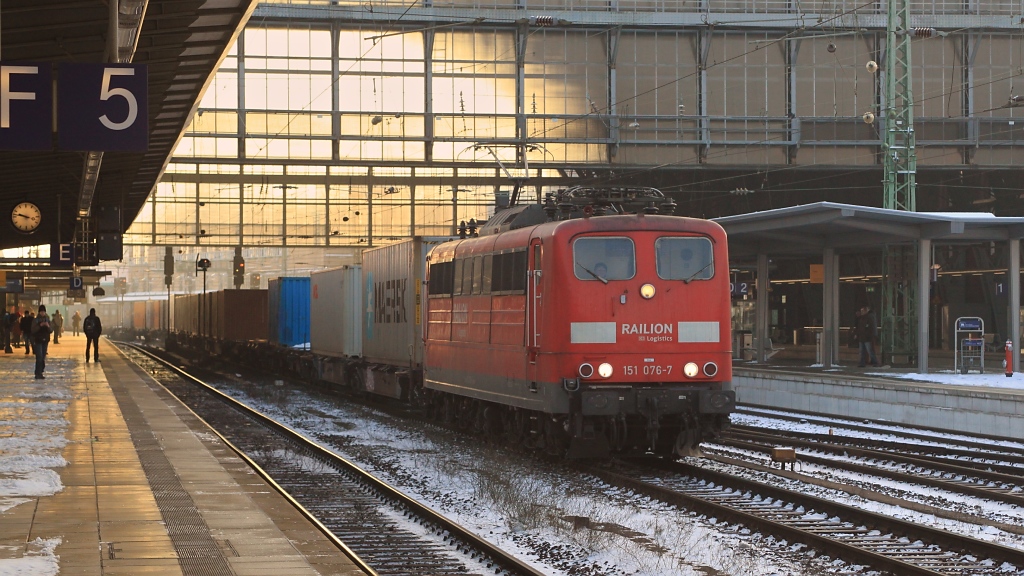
(656, 328)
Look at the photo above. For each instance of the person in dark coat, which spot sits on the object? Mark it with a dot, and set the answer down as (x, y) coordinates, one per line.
(16, 327)
(41, 330)
(92, 328)
(5, 330)
(26, 331)
(867, 327)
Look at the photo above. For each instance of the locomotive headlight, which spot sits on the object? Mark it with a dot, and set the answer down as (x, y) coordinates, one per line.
(605, 370)
(586, 370)
(710, 369)
(647, 291)
(690, 369)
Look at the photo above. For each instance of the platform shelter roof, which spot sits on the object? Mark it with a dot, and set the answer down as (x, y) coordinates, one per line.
(810, 228)
(181, 42)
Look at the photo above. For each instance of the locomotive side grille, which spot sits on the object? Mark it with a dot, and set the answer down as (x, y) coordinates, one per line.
(698, 332)
(592, 333)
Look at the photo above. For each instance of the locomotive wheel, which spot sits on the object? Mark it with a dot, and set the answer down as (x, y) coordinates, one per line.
(513, 427)
(687, 443)
(555, 438)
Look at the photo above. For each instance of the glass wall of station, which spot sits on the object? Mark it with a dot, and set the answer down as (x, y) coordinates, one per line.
(332, 127)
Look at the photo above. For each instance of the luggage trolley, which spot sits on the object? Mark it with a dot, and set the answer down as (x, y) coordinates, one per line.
(970, 345)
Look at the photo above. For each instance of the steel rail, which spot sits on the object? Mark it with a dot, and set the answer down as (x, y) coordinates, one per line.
(837, 421)
(793, 534)
(934, 453)
(365, 568)
(942, 538)
(502, 559)
(972, 489)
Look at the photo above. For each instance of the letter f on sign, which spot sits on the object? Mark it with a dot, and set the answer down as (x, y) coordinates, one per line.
(5, 91)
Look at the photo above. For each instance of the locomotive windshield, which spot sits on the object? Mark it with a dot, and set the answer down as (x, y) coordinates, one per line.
(604, 258)
(684, 259)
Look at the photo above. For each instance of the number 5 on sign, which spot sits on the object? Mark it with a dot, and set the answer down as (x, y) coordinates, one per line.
(106, 92)
(102, 107)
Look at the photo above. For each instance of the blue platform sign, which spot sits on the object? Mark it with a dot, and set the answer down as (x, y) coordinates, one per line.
(15, 285)
(968, 324)
(103, 107)
(76, 283)
(26, 106)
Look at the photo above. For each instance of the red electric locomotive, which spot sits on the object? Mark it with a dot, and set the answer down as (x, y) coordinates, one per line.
(583, 333)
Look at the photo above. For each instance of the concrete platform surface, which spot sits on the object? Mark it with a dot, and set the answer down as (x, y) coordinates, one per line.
(102, 472)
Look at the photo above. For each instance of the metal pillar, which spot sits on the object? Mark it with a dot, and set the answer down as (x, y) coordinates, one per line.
(1013, 273)
(898, 147)
(761, 310)
(924, 270)
(899, 294)
(829, 306)
(899, 160)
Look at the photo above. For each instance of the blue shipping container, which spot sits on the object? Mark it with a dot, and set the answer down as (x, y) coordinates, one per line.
(289, 311)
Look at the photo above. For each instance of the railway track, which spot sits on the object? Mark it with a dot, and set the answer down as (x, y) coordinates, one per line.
(382, 529)
(983, 448)
(846, 532)
(980, 483)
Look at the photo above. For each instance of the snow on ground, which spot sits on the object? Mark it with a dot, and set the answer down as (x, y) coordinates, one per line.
(996, 379)
(522, 505)
(32, 438)
(38, 560)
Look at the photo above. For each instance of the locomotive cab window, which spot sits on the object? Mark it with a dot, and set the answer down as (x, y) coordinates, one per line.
(604, 258)
(685, 259)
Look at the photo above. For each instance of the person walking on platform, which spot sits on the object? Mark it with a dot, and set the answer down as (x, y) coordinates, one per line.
(16, 327)
(76, 322)
(58, 325)
(26, 330)
(92, 328)
(41, 330)
(867, 326)
(5, 330)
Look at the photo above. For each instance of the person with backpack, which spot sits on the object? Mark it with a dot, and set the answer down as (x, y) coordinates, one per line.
(92, 328)
(41, 331)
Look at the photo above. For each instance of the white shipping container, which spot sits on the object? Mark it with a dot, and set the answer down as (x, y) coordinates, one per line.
(335, 312)
(393, 281)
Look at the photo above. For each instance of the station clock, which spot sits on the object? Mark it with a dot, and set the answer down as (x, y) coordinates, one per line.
(26, 217)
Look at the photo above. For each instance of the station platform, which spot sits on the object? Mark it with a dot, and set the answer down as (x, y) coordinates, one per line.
(986, 403)
(103, 472)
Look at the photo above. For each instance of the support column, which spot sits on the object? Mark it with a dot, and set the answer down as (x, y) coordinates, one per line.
(1013, 272)
(761, 310)
(924, 278)
(828, 308)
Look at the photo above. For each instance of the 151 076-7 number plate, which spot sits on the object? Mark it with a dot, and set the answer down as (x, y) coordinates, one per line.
(646, 370)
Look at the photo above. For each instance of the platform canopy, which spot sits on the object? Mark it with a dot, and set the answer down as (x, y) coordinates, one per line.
(828, 229)
(182, 42)
(810, 228)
